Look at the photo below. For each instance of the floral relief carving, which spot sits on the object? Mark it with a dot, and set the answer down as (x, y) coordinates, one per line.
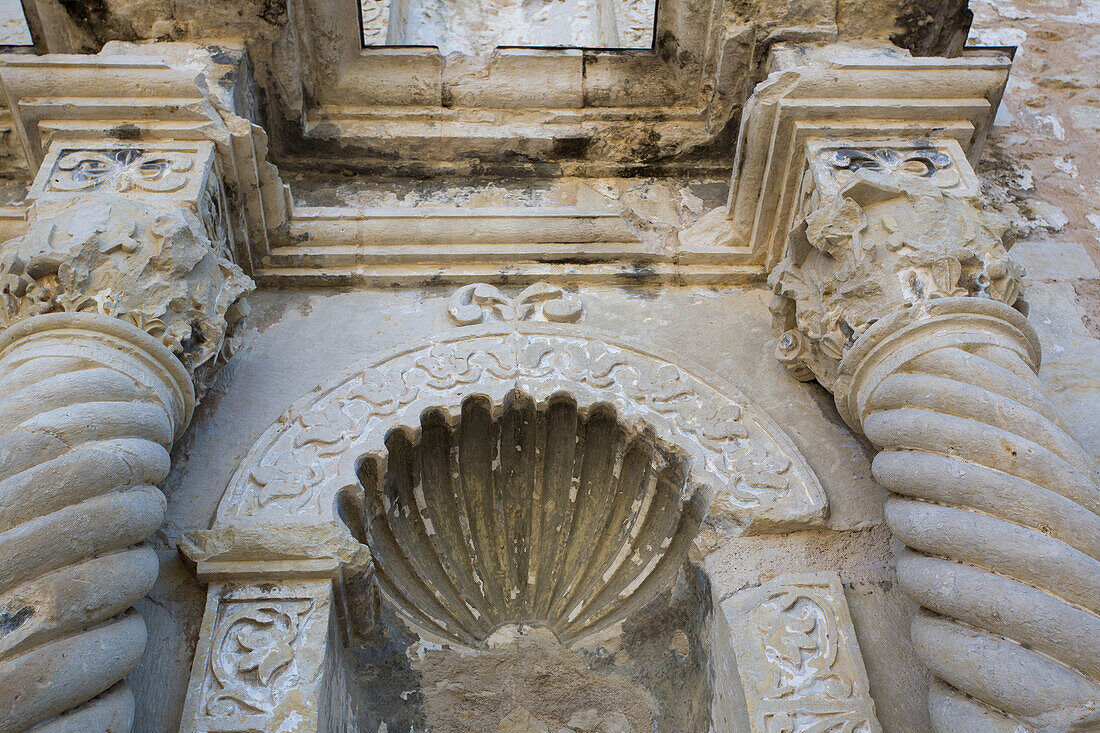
(121, 170)
(376, 18)
(109, 255)
(480, 302)
(798, 658)
(757, 480)
(891, 237)
(252, 659)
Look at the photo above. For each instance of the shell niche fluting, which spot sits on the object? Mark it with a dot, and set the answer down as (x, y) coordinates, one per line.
(546, 515)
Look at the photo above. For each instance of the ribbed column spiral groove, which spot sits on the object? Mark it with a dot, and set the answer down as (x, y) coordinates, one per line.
(89, 407)
(998, 507)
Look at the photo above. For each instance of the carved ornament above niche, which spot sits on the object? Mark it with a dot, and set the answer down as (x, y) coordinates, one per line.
(540, 302)
(755, 478)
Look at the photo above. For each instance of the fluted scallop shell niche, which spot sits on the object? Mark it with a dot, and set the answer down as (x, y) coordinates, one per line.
(523, 514)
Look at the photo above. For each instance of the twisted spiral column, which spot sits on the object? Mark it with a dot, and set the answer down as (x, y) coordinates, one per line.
(89, 407)
(997, 505)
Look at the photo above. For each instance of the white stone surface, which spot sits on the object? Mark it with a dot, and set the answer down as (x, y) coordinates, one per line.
(477, 28)
(13, 24)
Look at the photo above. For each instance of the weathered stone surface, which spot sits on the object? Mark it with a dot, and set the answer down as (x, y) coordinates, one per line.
(887, 217)
(154, 269)
(89, 407)
(798, 656)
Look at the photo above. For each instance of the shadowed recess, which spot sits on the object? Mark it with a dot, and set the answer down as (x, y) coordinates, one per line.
(511, 514)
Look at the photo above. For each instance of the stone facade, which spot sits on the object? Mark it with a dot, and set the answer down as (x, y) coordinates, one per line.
(348, 385)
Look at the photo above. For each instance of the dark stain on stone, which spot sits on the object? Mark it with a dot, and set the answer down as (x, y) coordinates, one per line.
(220, 56)
(274, 12)
(638, 273)
(96, 18)
(933, 27)
(9, 622)
(125, 131)
(571, 147)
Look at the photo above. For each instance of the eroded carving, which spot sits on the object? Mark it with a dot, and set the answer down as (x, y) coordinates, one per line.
(121, 170)
(553, 516)
(886, 237)
(755, 477)
(253, 651)
(540, 302)
(152, 268)
(798, 657)
(924, 161)
(898, 294)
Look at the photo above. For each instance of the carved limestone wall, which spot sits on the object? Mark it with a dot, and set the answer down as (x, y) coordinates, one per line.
(330, 469)
(117, 297)
(895, 293)
(799, 658)
(754, 477)
(133, 232)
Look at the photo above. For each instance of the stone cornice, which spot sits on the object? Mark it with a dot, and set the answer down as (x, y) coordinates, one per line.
(178, 93)
(839, 92)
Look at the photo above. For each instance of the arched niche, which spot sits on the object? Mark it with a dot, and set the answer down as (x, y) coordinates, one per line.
(277, 634)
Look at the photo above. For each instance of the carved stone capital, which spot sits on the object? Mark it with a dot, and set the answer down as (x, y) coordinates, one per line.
(136, 232)
(883, 226)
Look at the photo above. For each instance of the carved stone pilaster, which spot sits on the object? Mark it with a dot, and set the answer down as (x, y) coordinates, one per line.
(114, 304)
(897, 293)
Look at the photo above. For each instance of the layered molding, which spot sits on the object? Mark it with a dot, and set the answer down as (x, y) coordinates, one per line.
(839, 92)
(798, 656)
(164, 93)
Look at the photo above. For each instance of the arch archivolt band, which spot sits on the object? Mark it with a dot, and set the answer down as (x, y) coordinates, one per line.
(752, 473)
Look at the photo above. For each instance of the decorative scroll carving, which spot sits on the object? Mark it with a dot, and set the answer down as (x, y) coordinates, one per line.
(260, 658)
(756, 479)
(798, 657)
(121, 170)
(885, 236)
(253, 651)
(376, 21)
(932, 164)
(540, 302)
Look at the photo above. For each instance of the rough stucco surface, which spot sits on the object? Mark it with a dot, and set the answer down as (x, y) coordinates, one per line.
(1040, 169)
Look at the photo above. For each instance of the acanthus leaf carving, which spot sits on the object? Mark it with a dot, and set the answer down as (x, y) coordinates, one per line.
(154, 268)
(887, 236)
(254, 646)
